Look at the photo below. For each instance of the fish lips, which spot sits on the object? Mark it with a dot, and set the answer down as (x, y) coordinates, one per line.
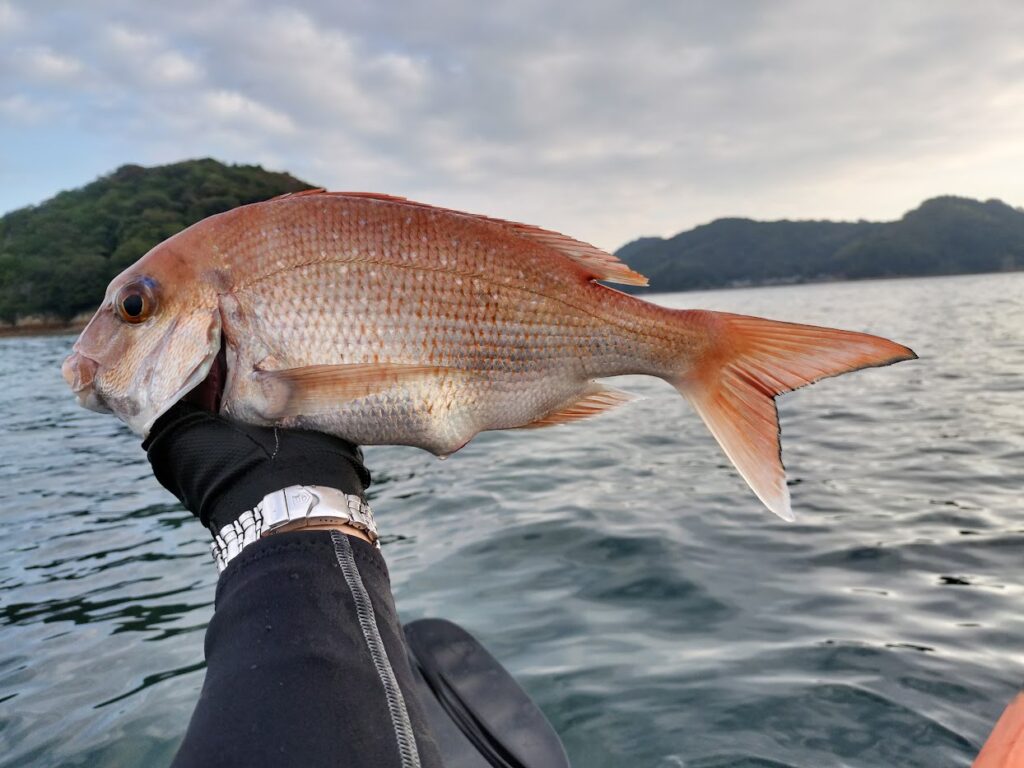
(80, 372)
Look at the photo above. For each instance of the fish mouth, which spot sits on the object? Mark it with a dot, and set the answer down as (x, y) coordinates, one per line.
(80, 373)
(209, 393)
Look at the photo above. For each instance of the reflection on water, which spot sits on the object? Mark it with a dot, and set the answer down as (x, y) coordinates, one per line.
(618, 568)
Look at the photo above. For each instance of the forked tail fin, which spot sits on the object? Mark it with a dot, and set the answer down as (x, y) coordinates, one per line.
(750, 361)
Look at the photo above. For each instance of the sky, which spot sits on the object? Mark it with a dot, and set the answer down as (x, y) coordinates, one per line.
(603, 120)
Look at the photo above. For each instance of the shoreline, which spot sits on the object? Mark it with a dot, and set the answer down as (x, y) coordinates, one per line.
(40, 329)
(650, 291)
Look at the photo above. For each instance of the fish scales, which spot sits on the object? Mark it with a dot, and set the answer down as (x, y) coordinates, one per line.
(519, 334)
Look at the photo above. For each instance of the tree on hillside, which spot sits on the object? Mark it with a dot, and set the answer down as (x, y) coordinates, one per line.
(56, 258)
(943, 236)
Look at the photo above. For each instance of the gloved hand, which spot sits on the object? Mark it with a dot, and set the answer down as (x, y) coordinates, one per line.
(219, 468)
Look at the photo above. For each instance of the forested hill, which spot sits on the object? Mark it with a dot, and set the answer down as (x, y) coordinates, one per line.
(56, 258)
(944, 236)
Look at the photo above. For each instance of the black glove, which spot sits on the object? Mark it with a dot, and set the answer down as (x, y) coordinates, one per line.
(219, 468)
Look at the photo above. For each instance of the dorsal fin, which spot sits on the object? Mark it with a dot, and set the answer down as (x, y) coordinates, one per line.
(600, 265)
(300, 193)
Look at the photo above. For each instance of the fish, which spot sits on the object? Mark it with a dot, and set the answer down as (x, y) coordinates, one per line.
(386, 321)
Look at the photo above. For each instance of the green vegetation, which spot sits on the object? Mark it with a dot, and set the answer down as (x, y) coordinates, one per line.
(944, 236)
(56, 258)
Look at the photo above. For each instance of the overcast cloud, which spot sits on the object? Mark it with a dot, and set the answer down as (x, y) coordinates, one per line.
(605, 120)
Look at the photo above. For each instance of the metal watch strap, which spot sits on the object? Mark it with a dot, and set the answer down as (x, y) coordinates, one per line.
(309, 503)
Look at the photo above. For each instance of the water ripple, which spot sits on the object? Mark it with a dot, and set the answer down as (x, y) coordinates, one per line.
(619, 568)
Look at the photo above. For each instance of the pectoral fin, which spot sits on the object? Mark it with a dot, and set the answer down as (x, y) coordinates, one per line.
(317, 389)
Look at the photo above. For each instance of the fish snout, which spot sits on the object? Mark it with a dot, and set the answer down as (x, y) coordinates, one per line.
(79, 371)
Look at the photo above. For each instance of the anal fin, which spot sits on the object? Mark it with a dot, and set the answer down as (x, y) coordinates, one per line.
(597, 399)
(316, 389)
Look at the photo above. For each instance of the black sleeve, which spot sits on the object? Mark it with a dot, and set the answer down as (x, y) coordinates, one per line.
(306, 663)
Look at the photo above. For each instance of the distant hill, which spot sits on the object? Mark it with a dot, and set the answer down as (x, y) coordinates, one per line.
(944, 236)
(56, 258)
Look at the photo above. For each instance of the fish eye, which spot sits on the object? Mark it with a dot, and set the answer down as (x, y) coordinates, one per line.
(136, 301)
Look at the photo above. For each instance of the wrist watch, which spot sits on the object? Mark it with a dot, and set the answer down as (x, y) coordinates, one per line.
(294, 504)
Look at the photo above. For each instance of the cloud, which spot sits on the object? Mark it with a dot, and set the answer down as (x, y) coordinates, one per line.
(230, 107)
(132, 41)
(325, 74)
(605, 119)
(43, 63)
(10, 18)
(23, 110)
(173, 67)
(147, 58)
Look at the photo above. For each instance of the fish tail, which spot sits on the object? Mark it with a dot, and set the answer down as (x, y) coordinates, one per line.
(747, 362)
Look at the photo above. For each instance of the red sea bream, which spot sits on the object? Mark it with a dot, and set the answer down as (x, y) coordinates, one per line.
(391, 322)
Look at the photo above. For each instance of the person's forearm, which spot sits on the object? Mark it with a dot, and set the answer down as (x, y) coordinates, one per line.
(306, 664)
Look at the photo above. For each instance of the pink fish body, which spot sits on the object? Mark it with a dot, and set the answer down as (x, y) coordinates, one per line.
(390, 322)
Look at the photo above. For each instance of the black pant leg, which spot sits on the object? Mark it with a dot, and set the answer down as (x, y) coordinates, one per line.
(306, 664)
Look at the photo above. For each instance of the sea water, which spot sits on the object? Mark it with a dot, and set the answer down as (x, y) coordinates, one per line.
(619, 568)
